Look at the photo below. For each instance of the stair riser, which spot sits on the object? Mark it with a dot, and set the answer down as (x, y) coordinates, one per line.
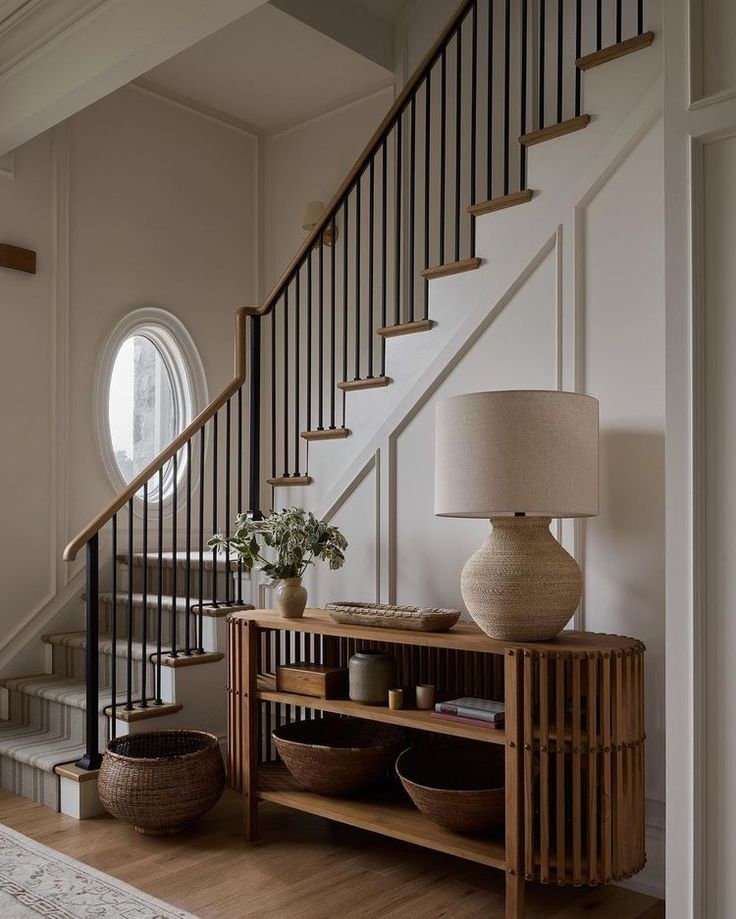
(70, 662)
(29, 782)
(176, 579)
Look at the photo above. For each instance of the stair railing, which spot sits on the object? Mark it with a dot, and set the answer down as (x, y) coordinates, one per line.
(502, 75)
(190, 486)
(453, 146)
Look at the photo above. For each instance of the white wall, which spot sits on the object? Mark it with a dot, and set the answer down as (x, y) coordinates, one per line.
(307, 162)
(133, 202)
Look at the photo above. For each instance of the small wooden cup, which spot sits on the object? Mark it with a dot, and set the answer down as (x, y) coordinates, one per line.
(395, 699)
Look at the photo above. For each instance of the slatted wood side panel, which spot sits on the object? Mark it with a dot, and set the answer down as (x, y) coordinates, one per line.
(236, 698)
(583, 765)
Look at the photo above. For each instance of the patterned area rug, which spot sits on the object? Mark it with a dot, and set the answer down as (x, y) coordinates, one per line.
(37, 881)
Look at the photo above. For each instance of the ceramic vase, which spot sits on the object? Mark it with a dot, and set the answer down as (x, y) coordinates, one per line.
(291, 598)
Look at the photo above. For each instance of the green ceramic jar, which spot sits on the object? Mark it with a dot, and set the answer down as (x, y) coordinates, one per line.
(370, 676)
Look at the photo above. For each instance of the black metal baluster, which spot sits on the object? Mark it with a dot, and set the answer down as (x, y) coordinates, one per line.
(523, 76)
(144, 609)
(384, 250)
(473, 116)
(188, 545)
(228, 419)
(199, 621)
(578, 51)
(129, 660)
(215, 438)
(273, 394)
(356, 320)
(427, 164)
(489, 104)
(114, 628)
(618, 20)
(345, 295)
(285, 393)
(309, 341)
(371, 217)
(174, 524)
(297, 370)
(321, 336)
(159, 597)
(333, 319)
(412, 207)
(507, 99)
(599, 24)
(240, 476)
(542, 62)
(443, 153)
(560, 54)
(458, 134)
(92, 758)
(397, 232)
(639, 17)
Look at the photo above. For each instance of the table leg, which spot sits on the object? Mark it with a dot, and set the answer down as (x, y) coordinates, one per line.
(515, 894)
(250, 733)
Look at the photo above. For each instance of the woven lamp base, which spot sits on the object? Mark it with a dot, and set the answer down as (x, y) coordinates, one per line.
(521, 585)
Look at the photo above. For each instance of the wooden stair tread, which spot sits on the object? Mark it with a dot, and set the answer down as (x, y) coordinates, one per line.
(365, 383)
(327, 434)
(284, 481)
(501, 202)
(406, 328)
(555, 130)
(442, 271)
(629, 46)
(143, 714)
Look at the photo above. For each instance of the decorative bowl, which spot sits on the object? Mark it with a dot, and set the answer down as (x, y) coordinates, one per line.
(462, 789)
(337, 756)
(161, 781)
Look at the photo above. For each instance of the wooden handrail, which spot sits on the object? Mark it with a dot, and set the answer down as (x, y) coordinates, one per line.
(96, 524)
(424, 65)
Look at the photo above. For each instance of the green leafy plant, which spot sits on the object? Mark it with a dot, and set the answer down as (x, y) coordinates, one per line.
(284, 545)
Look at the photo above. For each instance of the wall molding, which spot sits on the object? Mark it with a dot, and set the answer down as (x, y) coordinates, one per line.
(187, 104)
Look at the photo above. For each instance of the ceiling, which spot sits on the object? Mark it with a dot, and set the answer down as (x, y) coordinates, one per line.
(269, 69)
(388, 10)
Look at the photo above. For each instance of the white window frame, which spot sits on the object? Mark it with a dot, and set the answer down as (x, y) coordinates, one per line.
(188, 380)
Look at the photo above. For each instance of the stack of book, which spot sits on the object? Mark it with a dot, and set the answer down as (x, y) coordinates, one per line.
(482, 712)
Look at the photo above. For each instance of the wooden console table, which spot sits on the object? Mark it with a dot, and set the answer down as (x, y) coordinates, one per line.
(573, 738)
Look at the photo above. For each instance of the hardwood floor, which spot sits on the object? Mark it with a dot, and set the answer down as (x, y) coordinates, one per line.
(303, 868)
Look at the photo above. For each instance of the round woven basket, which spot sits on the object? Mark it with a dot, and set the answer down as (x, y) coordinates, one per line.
(461, 789)
(336, 756)
(161, 781)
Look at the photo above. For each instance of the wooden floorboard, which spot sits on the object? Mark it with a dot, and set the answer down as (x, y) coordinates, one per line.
(303, 868)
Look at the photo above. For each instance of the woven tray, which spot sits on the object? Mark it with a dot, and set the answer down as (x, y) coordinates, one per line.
(413, 618)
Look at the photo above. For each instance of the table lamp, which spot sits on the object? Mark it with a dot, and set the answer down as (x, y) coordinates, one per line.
(518, 458)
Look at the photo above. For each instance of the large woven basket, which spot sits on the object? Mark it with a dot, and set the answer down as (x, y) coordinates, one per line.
(461, 789)
(337, 756)
(384, 616)
(161, 781)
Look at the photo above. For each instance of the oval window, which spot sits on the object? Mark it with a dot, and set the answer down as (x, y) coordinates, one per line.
(142, 408)
(152, 384)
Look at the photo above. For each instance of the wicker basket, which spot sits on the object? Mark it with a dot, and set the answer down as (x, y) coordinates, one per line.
(460, 788)
(337, 756)
(413, 618)
(161, 781)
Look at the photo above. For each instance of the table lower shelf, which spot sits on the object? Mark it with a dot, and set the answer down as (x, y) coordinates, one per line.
(381, 813)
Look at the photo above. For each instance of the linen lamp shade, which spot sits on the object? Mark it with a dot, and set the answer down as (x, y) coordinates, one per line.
(532, 452)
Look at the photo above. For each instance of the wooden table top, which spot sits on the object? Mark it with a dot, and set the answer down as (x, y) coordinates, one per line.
(465, 636)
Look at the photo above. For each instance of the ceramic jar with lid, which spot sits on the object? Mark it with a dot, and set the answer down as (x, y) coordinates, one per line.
(370, 676)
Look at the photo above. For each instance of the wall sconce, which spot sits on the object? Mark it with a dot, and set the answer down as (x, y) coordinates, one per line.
(314, 211)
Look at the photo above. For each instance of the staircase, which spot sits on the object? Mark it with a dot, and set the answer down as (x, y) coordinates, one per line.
(504, 77)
